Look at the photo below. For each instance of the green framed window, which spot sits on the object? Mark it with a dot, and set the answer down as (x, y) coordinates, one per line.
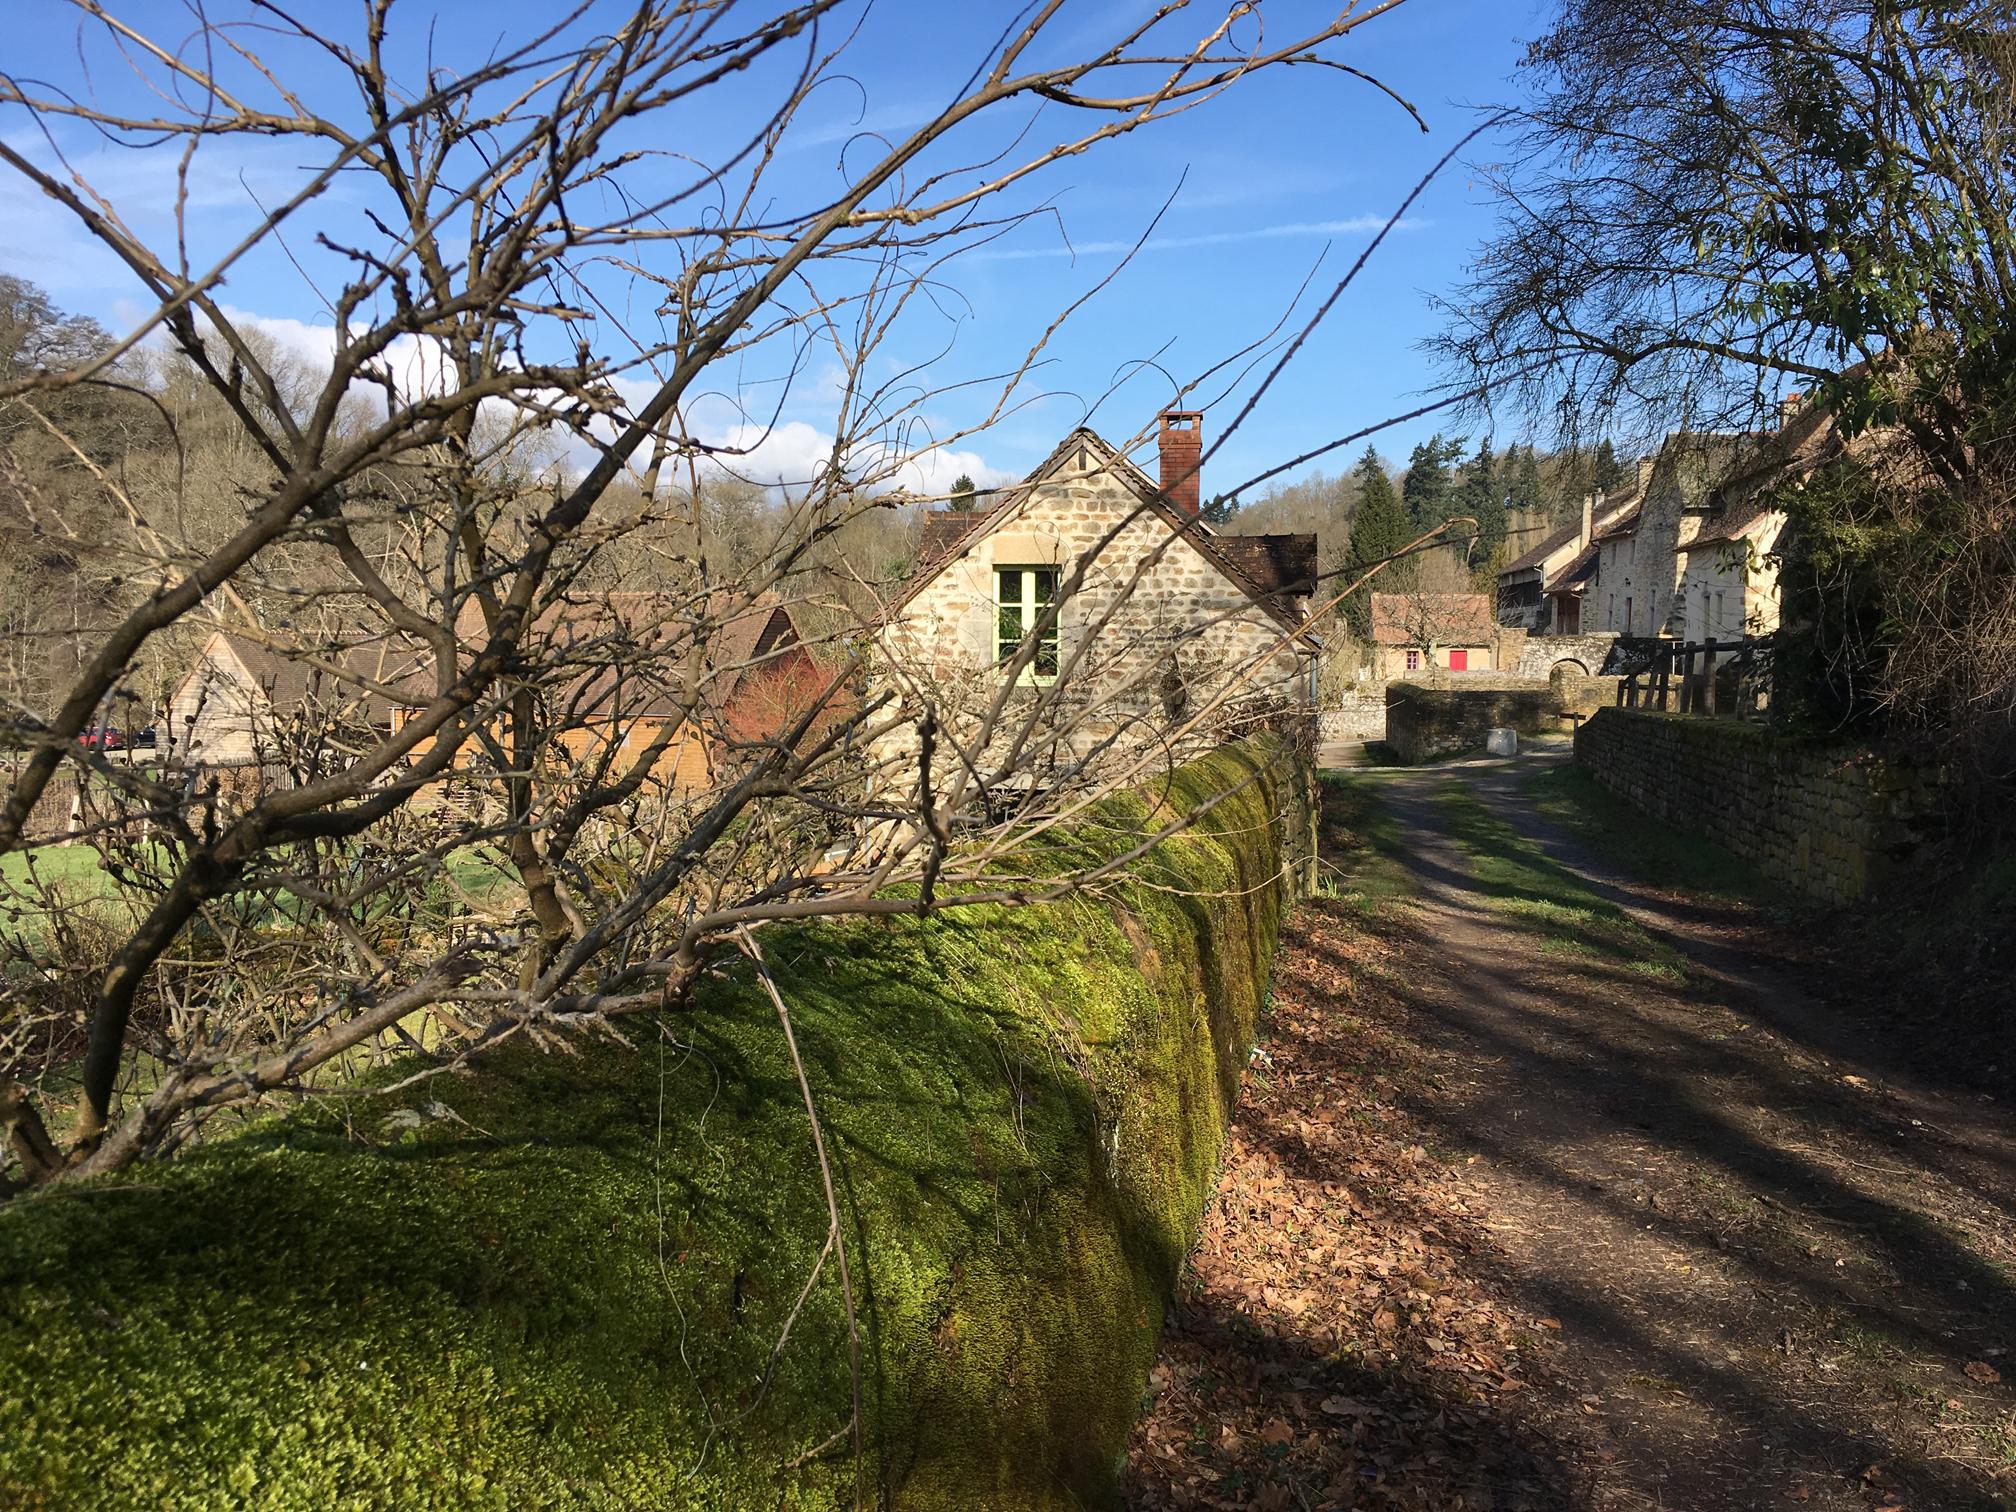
(1021, 595)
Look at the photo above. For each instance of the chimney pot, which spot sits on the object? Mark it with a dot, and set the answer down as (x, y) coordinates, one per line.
(1182, 445)
(1588, 521)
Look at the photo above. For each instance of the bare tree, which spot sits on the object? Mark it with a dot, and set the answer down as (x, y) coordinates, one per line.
(508, 781)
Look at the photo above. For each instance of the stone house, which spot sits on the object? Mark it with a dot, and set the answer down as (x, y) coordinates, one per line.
(1540, 591)
(245, 704)
(1168, 610)
(1697, 555)
(1415, 633)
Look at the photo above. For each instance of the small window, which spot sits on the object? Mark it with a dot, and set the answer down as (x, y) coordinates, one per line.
(1413, 661)
(1022, 594)
(1627, 617)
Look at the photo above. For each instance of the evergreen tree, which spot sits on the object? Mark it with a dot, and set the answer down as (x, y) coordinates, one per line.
(1482, 497)
(1427, 487)
(1378, 529)
(1610, 473)
(962, 492)
(1524, 492)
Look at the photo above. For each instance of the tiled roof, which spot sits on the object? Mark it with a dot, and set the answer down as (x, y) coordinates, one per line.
(1454, 618)
(1273, 563)
(944, 529)
(1612, 503)
(1577, 572)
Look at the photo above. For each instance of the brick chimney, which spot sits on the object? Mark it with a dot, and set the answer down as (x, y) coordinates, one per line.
(1182, 445)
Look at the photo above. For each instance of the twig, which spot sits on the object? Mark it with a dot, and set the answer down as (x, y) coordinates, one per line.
(836, 1236)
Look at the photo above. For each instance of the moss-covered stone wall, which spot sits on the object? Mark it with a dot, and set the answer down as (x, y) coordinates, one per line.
(561, 1282)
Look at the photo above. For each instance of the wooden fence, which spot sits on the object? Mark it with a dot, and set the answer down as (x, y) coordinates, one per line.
(1648, 669)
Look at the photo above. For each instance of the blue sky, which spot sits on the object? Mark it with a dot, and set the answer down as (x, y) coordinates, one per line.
(1275, 184)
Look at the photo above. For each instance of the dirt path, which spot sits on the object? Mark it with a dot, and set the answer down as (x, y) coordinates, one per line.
(1536, 1203)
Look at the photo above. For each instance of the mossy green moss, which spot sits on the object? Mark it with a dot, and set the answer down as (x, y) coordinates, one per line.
(567, 1293)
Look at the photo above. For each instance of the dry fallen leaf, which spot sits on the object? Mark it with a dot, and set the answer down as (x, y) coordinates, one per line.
(1553, 1323)
(1982, 1371)
(1798, 1493)
(1276, 1432)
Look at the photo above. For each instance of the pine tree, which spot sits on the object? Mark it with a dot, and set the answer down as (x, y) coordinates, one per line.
(1524, 493)
(962, 492)
(1427, 487)
(1482, 497)
(1378, 529)
(1610, 473)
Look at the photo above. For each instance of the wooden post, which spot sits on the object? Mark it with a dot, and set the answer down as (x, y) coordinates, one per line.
(1665, 665)
(1708, 678)
(1689, 702)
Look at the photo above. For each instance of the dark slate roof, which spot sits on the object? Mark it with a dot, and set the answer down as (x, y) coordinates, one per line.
(943, 530)
(1273, 563)
(1576, 573)
(1559, 538)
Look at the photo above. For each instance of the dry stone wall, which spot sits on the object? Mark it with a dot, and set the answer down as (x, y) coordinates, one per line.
(1827, 820)
(1543, 653)
(1425, 721)
(1356, 716)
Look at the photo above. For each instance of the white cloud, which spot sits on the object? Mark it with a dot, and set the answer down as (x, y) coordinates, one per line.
(1356, 225)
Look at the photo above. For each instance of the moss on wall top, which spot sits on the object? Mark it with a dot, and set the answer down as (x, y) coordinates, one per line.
(562, 1281)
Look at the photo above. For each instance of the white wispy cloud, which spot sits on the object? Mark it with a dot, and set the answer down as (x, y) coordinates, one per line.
(1357, 225)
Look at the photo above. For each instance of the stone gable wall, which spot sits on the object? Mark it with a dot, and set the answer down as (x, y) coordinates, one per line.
(1182, 609)
(1826, 820)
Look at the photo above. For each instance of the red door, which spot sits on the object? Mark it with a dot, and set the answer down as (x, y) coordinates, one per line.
(1459, 661)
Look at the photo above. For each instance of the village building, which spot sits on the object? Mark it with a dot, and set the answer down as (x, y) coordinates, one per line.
(1541, 590)
(1417, 633)
(246, 704)
(1171, 615)
(621, 651)
(1696, 558)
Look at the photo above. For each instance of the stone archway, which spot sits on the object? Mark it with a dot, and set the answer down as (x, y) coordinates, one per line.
(1566, 667)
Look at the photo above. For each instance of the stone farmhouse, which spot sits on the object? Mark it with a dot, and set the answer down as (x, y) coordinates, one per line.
(1690, 554)
(1170, 616)
(1417, 633)
(758, 677)
(1541, 590)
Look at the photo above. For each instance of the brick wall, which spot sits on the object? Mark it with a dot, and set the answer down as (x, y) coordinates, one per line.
(1827, 820)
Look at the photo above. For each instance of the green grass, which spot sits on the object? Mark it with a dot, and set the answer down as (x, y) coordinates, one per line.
(1362, 843)
(1644, 847)
(1550, 902)
(53, 863)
